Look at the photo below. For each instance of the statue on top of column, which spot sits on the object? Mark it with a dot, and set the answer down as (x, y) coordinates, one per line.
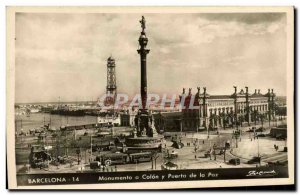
(143, 23)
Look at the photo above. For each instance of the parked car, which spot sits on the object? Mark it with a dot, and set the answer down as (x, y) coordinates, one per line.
(261, 135)
(95, 165)
(261, 129)
(278, 163)
(234, 161)
(252, 129)
(169, 166)
(280, 137)
(177, 144)
(207, 154)
(255, 160)
(173, 154)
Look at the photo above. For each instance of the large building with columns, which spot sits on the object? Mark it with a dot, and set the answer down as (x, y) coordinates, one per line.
(221, 111)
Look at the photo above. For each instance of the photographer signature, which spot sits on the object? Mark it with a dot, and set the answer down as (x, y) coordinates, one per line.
(261, 173)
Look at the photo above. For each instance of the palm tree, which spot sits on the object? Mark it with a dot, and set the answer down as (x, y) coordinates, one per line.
(247, 110)
(213, 118)
(241, 119)
(277, 112)
(255, 116)
(262, 118)
(223, 118)
(230, 117)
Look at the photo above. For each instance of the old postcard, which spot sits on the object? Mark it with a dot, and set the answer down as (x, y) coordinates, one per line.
(150, 97)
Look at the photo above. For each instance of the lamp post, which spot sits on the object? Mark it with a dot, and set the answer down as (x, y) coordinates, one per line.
(236, 136)
(78, 155)
(91, 158)
(225, 152)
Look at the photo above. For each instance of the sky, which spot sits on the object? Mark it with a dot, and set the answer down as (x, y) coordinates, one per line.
(64, 54)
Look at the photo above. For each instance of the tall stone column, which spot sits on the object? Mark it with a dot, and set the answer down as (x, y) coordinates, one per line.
(143, 40)
(146, 122)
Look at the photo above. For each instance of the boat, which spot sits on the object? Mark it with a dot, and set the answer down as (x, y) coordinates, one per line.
(68, 112)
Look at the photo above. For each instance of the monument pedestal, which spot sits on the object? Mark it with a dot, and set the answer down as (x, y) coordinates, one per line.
(146, 136)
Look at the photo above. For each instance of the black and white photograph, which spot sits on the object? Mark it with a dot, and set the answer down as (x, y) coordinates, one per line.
(150, 97)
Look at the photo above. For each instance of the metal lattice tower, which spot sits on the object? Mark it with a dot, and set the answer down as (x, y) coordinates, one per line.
(111, 88)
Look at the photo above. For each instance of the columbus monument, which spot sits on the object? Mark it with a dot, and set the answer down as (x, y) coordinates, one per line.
(146, 136)
(144, 120)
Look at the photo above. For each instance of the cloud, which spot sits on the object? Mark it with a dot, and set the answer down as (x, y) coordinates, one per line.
(247, 18)
(66, 53)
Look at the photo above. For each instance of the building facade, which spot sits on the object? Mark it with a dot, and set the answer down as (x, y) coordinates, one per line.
(221, 111)
(202, 111)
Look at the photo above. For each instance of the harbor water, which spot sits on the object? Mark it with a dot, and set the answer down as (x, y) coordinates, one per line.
(38, 120)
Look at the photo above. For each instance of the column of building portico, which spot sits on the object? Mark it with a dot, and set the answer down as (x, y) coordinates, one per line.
(273, 103)
(269, 106)
(235, 106)
(250, 111)
(200, 113)
(205, 117)
(216, 121)
(223, 111)
(220, 118)
(256, 119)
(240, 112)
(248, 118)
(243, 113)
(227, 112)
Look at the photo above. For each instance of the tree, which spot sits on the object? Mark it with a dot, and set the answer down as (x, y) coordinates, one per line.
(241, 119)
(213, 118)
(247, 110)
(223, 118)
(262, 118)
(255, 115)
(230, 117)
